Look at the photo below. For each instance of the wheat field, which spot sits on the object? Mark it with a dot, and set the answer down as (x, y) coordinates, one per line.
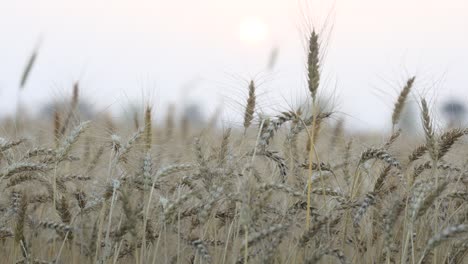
(292, 187)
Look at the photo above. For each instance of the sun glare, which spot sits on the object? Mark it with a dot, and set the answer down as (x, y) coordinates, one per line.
(253, 30)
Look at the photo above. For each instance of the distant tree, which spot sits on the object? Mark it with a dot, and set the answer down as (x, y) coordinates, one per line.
(84, 109)
(454, 111)
(193, 113)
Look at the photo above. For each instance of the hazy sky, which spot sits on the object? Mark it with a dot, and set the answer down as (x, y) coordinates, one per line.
(206, 50)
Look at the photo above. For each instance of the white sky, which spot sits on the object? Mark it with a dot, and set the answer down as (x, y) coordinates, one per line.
(121, 50)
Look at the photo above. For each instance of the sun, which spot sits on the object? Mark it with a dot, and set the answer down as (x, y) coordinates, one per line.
(253, 30)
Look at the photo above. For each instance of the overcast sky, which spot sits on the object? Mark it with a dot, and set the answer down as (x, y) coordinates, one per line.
(206, 50)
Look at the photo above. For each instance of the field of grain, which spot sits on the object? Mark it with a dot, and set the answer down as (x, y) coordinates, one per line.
(292, 187)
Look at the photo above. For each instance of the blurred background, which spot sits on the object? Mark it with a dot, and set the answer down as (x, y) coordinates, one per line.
(200, 55)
